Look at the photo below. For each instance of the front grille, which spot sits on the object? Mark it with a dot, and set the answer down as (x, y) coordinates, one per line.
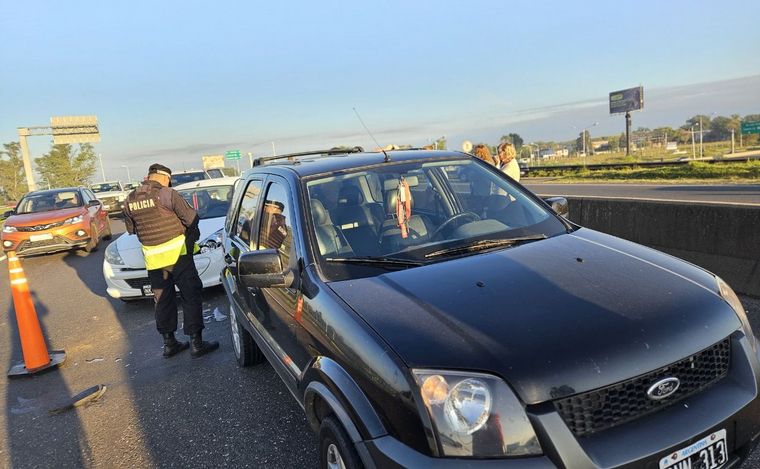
(137, 283)
(613, 405)
(40, 227)
(55, 241)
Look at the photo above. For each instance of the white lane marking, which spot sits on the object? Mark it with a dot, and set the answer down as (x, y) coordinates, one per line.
(749, 204)
(2, 258)
(18, 281)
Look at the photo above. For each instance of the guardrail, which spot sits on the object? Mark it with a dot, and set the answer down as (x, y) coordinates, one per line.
(644, 164)
(720, 238)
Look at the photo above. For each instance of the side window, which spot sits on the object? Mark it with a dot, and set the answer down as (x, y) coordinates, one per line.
(276, 222)
(85, 197)
(247, 214)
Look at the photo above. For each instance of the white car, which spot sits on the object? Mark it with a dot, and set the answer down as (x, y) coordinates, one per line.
(124, 265)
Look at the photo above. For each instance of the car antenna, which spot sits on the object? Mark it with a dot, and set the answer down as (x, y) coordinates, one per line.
(387, 158)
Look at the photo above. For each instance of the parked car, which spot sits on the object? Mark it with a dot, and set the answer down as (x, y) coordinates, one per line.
(485, 330)
(183, 177)
(124, 264)
(111, 194)
(55, 220)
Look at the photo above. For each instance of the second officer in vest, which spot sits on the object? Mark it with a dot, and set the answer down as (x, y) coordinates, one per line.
(167, 227)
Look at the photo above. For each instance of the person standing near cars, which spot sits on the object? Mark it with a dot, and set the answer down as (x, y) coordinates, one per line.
(167, 227)
(482, 152)
(508, 160)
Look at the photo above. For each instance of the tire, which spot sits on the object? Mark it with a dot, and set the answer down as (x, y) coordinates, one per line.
(247, 353)
(108, 234)
(92, 245)
(336, 451)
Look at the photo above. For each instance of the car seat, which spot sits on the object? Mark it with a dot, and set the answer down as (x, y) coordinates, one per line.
(357, 222)
(390, 237)
(329, 238)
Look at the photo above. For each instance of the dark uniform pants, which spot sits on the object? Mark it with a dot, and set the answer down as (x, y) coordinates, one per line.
(184, 275)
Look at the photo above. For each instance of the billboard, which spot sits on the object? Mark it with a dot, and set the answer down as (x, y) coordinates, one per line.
(213, 161)
(628, 100)
(75, 129)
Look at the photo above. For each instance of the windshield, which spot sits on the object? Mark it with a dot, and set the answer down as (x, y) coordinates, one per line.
(105, 187)
(183, 178)
(209, 202)
(449, 204)
(45, 202)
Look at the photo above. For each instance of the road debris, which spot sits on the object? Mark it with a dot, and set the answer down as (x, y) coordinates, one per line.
(84, 397)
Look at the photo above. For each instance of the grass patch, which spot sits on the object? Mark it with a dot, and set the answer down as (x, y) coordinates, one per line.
(693, 170)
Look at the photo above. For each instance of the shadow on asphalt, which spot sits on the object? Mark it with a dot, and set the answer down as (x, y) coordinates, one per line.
(37, 394)
(92, 278)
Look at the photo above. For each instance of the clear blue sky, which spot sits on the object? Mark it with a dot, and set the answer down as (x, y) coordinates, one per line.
(172, 81)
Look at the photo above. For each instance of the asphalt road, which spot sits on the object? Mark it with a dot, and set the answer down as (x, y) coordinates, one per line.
(156, 412)
(719, 193)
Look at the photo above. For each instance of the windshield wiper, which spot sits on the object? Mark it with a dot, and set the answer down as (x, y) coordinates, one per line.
(378, 261)
(485, 244)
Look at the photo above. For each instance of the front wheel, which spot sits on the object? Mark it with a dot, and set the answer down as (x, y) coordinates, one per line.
(92, 244)
(336, 451)
(107, 234)
(247, 353)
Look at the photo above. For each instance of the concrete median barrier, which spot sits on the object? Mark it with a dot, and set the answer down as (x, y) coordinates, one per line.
(718, 237)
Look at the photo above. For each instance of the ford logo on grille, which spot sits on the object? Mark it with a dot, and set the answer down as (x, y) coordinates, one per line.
(663, 388)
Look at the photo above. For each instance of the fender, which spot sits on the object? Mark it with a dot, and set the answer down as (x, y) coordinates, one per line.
(328, 380)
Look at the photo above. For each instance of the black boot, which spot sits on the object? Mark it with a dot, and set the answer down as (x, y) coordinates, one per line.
(199, 347)
(172, 346)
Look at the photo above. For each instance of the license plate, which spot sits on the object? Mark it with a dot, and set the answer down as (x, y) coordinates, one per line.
(147, 291)
(710, 452)
(106, 207)
(41, 237)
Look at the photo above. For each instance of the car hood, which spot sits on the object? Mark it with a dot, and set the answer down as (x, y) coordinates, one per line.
(554, 318)
(51, 216)
(130, 249)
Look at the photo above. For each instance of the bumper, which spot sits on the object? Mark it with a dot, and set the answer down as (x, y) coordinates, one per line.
(63, 238)
(732, 404)
(128, 283)
(113, 206)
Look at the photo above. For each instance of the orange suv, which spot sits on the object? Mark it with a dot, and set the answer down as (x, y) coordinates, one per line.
(55, 220)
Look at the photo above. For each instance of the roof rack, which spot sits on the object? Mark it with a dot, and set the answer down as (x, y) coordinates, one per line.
(332, 151)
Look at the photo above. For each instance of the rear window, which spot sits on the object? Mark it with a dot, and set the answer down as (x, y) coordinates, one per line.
(184, 178)
(209, 202)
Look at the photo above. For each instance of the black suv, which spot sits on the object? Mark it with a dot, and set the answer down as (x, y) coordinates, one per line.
(427, 311)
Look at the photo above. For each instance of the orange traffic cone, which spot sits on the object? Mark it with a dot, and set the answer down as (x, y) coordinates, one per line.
(36, 356)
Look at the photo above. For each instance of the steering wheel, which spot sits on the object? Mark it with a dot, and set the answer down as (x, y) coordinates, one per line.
(471, 216)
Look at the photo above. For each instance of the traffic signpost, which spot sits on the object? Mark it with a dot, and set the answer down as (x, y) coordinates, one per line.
(751, 127)
(233, 155)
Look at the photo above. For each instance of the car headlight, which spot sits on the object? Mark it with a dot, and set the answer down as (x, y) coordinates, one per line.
(72, 220)
(476, 414)
(9, 229)
(212, 242)
(112, 255)
(730, 297)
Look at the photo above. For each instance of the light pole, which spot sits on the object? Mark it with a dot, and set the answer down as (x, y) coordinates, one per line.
(693, 147)
(583, 137)
(129, 179)
(102, 171)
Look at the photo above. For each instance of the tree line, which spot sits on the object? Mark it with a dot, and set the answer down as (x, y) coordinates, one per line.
(63, 166)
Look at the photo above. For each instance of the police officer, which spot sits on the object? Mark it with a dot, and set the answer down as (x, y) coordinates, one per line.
(167, 228)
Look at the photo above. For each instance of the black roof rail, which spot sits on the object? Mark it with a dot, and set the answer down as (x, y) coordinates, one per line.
(332, 151)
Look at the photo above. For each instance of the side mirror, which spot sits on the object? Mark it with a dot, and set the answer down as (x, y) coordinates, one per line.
(9, 213)
(263, 269)
(94, 203)
(559, 205)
